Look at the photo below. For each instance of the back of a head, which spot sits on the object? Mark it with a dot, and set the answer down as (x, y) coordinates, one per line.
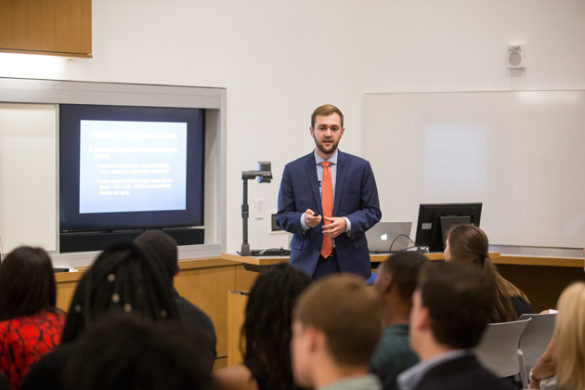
(128, 352)
(161, 247)
(267, 325)
(570, 337)
(347, 312)
(27, 283)
(469, 244)
(460, 301)
(121, 278)
(404, 269)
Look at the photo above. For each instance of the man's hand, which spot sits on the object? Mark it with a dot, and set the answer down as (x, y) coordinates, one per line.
(311, 219)
(335, 227)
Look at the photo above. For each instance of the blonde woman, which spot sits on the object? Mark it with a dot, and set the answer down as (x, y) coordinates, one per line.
(570, 338)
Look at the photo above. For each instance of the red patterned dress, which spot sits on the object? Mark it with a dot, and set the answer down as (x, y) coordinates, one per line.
(24, 340)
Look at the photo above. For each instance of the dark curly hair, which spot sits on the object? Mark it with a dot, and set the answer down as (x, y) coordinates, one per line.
(267, 327)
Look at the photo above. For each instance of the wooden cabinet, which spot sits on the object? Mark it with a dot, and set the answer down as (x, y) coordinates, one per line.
(57, 27)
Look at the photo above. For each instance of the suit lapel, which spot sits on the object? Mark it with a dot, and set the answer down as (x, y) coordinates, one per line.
(311, 174)
(339, 180)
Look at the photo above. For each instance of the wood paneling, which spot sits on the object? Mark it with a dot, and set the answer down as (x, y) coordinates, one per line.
(60, 27)
(206, 288)
(542, 284)
(236, 315)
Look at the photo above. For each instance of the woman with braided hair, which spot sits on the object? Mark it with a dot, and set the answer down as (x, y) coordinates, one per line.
(121, 279)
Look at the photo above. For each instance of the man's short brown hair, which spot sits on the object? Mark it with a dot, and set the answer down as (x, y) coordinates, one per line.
(326, 110)
(460, 300)
(347, 312)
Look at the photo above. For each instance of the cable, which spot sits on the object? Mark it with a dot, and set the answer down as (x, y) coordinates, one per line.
(419, 249)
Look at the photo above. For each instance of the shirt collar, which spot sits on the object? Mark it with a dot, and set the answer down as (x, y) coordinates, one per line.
(411, 378)
(332, 159)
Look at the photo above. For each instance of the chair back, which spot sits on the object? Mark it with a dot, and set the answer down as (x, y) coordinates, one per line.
(498, 348)
(534, 341)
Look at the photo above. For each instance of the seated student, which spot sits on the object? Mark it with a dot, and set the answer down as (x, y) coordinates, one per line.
(163, 249)
(544, 371)
(337, 324)
(451, 308)
(469, 244)
(569, 332)
(30, 324)
(128, 353)
(395, 282)
(122, 278)
(267, 331)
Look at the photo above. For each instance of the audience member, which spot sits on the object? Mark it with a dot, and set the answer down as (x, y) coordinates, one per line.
(337, 324)
(395, 283)
(451, 308)
(267, 331)
(30, 324)
(543, 374)
(163, 249)
(469, 244)
(569, 335)
(122, 278)
(128, 353)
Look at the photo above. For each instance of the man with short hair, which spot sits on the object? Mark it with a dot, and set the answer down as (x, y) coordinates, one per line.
(395, 283)
(328, 199)
(336, 325)
(162, 248)
(451, 308)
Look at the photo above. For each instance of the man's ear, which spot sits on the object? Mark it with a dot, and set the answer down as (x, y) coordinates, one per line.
(386, 280)
(315, 339)
(424, 319)
(312, 131)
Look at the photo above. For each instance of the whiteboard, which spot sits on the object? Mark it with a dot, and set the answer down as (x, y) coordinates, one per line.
(521, 153)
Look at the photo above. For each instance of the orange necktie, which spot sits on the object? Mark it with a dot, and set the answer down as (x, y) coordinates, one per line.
(327, 205)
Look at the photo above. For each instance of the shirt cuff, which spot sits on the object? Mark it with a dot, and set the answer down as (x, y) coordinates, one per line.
(303, 223)
(347, 225)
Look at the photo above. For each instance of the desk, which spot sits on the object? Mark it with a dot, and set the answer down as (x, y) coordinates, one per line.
(257, 263)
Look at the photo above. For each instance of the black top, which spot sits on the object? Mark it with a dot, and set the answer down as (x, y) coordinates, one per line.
(462, 373)
(196, 319)
(521, 306)
(4, 385)
(46, 373)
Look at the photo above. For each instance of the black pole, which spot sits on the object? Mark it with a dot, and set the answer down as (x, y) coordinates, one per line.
(245, 251)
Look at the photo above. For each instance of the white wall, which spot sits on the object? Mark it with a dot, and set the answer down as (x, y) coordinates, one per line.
(279, 60)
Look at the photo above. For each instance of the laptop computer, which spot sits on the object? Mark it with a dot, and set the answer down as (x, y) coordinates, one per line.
(382, 234)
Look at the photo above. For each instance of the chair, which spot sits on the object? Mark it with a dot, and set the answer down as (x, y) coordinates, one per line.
(534, 341)
(498, 348)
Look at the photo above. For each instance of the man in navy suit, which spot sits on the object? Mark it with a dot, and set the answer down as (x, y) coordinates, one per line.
(355, 205)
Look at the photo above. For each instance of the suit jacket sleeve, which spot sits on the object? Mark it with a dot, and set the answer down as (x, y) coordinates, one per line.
(288, 217)
(368, 213)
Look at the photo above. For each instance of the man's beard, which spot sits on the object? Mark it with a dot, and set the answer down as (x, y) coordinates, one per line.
(323, 149)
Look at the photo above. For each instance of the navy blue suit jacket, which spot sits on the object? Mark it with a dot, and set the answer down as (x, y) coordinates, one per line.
(462, 373)
(356, 197)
